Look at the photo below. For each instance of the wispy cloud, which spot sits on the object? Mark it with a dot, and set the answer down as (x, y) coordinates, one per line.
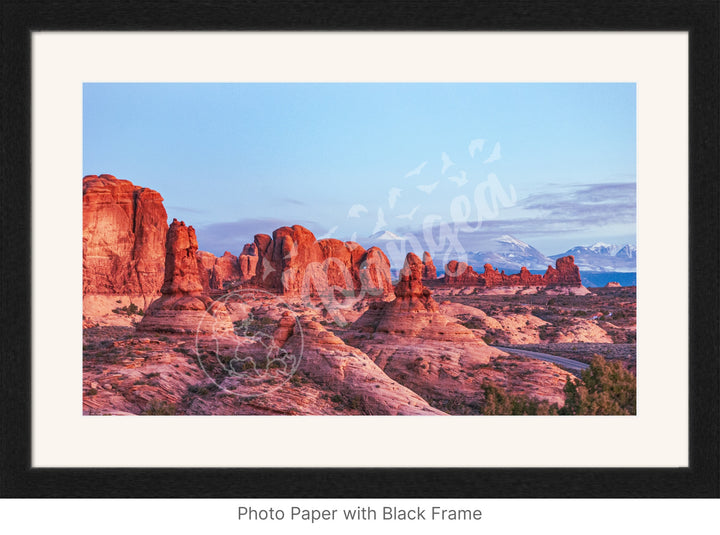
(584, 205)
(290, 200)
(559, 211)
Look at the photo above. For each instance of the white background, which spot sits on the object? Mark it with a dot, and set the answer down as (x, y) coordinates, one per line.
(499, 517)
(656, 62)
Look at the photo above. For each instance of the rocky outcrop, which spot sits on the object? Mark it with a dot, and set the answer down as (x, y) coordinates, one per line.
(429, 269)
(493, 279)
(413, 310)
(247, 262)
(293, 262)
(206, 263)
(375, 273)
(124, 231)
(328, 361)
(217, 272)
(418, 346)
(460, 274)
(565, 274)
(183, 308)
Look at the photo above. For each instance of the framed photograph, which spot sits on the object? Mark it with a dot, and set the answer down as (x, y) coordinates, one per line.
(267, 259)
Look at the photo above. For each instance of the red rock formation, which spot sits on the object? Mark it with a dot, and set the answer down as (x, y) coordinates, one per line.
(460, 274)
(206, 262)
(181, 269)
(247, 262)
(183, 308)
(124, 228)
(341, 261)
(216, 272)
(412, 311)
(410, 293)
(429, 269)
(566, 274)
(328, 361)
(417, 345)
(293, 262)
(284, 258)
(375, 273)
(226, 269)
(491, 278)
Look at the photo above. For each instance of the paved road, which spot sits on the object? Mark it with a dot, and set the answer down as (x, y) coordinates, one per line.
(573, 366)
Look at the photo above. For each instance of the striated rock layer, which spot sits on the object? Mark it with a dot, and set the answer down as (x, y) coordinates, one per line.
(183, 308)
(124, 232)
(566, 273)
(327, 360)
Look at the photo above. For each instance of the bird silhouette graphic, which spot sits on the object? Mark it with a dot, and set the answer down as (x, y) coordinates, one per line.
(476, 145)
(267, 268)
(356, 210)
(446, 161)
(410, 215)
(328, 234)
(429, 188)
(380, 223)
(393, 195)
(416, 171)
(459, 180)
(495, 154)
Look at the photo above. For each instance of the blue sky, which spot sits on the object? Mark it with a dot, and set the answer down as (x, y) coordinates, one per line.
(347, 160)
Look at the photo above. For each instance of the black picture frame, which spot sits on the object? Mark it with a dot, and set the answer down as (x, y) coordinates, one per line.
(701, 18)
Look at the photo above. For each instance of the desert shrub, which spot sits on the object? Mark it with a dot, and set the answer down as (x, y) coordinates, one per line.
(199, 390)
(607, 388)
(295, 380)
(472, 323)
(160, 408)
(543, 332)
(498, 401)
(131, 310)
(355, 403)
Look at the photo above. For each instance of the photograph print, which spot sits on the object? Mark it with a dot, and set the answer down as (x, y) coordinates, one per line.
(356, 249)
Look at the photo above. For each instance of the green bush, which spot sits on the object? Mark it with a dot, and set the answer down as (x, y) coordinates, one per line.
(607, 388)
(131, 310)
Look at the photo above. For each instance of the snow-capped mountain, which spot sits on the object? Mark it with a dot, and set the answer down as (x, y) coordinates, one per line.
(509, 253)
(385, 235)
(627, 251)
(603, 257)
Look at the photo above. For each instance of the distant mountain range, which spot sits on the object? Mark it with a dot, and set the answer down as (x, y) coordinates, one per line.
(509, 253)
(603, 257)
